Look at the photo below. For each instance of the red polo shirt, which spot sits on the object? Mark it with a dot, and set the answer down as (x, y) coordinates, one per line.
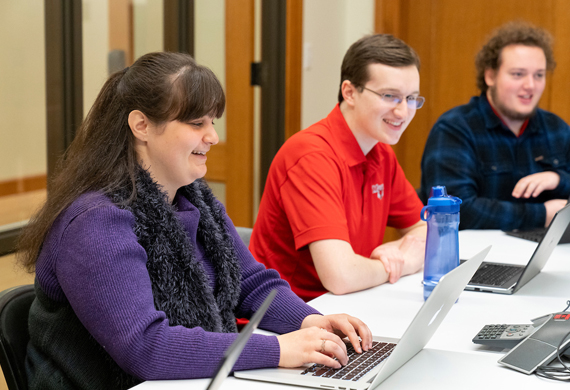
(322, 186)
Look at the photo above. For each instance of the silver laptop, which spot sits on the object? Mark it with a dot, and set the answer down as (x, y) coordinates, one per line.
(537, 234)
(393, 353)
(509, 278)
(233, 352)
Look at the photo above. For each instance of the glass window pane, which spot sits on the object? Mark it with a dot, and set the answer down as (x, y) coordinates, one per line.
(210, 51)
(22, 111)
(148, 18)
(115, 34)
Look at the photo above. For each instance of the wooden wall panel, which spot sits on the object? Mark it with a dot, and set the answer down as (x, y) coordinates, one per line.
(23, 184)
(239, 111)
(293, 67)
(413, 140)
(560, 28)
(447, 34)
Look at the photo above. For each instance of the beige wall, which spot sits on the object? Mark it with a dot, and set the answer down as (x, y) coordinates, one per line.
(148, 18)
(22, 89)
(329, 28)
(95, 23)
(210, 44)
(210, 51)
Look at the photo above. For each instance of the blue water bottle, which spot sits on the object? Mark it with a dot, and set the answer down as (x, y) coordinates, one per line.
(442, 241)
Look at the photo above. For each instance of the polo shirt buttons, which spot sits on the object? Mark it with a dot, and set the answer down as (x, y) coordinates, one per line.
(555, 161)
(494, 168)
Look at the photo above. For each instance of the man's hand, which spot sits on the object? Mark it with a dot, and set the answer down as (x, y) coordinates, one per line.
(414, 249)
(533, 185)
(342, 271)
(552, 206)
(405, 259)
(392, 258)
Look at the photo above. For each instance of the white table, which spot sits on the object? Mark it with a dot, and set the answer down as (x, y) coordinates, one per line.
(450, 359)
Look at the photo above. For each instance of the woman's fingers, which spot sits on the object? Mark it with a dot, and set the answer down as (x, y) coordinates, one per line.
(332, 346)
(311, 345)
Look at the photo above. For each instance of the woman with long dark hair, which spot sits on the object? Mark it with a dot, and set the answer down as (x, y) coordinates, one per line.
(140, 273)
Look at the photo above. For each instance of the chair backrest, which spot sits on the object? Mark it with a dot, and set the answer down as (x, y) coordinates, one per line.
(244, 234)
(15, 305)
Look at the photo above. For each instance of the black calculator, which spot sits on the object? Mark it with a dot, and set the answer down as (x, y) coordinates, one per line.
(503, 335)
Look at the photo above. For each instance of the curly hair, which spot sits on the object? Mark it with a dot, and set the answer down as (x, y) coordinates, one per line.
(512, 33)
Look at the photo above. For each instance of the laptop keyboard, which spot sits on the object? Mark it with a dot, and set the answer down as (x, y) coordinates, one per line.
(535, 235)
(359, 364)
(493, 274)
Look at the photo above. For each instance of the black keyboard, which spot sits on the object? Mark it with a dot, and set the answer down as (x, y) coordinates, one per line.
(494, 274)
(535, 235)
(359, 364)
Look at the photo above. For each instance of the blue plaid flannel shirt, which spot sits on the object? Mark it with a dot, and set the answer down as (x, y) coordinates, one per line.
(471, 152)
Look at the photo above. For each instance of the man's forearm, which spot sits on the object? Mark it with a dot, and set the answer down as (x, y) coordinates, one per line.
(341, 271)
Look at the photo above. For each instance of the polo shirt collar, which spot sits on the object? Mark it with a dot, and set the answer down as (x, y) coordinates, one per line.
(493, 121)
(345, 141)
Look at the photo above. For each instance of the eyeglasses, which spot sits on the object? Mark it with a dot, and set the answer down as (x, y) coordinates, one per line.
(414, 102)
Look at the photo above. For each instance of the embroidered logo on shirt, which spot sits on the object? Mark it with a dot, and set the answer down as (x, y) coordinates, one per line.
(378, 189)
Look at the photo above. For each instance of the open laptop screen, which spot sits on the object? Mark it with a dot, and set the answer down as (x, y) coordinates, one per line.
(233, 352)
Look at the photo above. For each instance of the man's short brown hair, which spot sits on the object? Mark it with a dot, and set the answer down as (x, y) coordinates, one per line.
(374, 49)
(513, 33)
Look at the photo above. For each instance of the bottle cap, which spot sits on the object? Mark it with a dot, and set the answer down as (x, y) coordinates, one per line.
(440, 202)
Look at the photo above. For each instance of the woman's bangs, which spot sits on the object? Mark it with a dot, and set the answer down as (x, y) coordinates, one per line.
(197, 93)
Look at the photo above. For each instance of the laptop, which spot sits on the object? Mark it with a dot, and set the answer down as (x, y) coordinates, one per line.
(509, 278)
(233, 352)
(538, 234)
(391, 353)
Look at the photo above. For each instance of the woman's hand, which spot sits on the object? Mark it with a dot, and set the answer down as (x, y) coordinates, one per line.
(311, 345)
(343, 325)
(319, 340)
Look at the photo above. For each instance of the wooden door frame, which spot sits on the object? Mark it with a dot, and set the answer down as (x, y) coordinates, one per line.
(282, 42)
(236, 153)
(293, 66)
(179, 26)
(232, 161)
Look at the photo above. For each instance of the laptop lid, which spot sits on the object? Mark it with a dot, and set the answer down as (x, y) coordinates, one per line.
(233, 352)
(420, 331)
(537, 261)
(430, 316)
(538, 234)
(546, 246)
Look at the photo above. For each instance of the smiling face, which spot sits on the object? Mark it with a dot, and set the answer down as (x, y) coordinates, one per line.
(175, 153)
(516, 87)
(372, 119)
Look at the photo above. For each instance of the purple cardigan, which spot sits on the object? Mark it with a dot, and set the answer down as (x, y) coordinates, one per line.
(92, 259)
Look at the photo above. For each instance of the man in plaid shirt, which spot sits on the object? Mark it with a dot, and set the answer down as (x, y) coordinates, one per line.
(507, 159)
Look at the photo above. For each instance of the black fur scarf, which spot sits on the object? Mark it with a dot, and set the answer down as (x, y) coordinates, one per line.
(179, 282)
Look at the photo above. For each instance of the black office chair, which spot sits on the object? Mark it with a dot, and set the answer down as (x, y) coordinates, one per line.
(15, 305)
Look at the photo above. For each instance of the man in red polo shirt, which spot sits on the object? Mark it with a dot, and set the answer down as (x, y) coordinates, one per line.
(334, 187)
